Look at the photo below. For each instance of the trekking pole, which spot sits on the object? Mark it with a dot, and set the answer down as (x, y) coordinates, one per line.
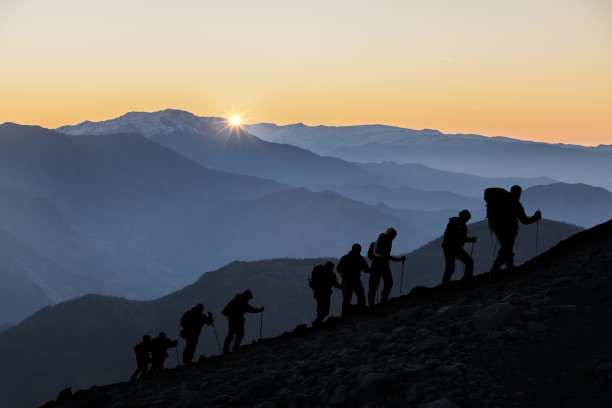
(260, 325)
(216, 337)
(402, 278)
(494, 250)
(537, 236)
(178, 361)
(472, 250)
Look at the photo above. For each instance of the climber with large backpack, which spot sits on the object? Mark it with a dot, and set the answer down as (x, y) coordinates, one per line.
(321, 281)
(504, 211)
(235, 311)
(455, 236)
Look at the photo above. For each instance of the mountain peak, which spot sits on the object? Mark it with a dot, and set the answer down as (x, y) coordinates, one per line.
(149, 124)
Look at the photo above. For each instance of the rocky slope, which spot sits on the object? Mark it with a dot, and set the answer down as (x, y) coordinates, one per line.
(537, 337)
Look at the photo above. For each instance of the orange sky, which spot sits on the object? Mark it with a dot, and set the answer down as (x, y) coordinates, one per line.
(537, 69)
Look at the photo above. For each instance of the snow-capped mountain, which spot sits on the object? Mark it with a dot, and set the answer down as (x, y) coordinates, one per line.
(148, 124)
(468, 153)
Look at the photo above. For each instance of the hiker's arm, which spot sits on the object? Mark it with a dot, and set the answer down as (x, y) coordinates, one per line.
(252, 309)
(395, 259)
(528, 220)
(364, 266)
(208, 320)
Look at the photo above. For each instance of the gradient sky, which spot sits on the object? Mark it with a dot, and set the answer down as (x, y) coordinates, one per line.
(529, 69)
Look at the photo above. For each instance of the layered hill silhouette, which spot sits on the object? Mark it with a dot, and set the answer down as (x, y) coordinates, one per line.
(89, 340)
(474, 154)
(578, 204)
(536, 337)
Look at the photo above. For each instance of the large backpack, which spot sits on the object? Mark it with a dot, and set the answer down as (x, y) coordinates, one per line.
(230, 307)
(316, 277)
(499, 207)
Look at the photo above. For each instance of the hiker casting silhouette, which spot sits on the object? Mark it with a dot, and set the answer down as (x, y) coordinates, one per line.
(235, 311)
(349, 268)
(455, 236)
(322, 280)
(504, 211)
(159, 351)
(192, 322)
(143, 357)
(381, 255)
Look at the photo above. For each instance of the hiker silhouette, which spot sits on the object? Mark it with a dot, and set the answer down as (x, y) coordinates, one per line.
(143, 356)
(455, 236)
(381, 255)
(504, 211)
(159, 351)
(192, 322)
(235, 311)
(349, 268)
(322, 280)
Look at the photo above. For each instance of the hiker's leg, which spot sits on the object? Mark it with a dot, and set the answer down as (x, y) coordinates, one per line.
(347, 296)
(373, 287)
(361, 301)
(388, 284)
(230, 335)
(239, 334)
(449, 260)
(469, 264)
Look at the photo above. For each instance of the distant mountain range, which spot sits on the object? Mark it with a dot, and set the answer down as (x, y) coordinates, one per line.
(89, 340)
(484, 156)
(212, 143)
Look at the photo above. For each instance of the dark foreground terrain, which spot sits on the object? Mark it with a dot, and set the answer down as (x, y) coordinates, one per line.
(538, 337)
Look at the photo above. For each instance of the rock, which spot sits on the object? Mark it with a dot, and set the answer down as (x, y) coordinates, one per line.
(441, 403)
(64, 396)
(494, 334)
(433, 343)
(494, 316)
(261, 386)
(454, 369)
(372, 386)
(414, 393)
(535, 327)
(300, 400)
(515, 334)
(340, 396)
(531, 315)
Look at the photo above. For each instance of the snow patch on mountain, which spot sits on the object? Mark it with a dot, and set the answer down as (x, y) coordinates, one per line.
(148, 124)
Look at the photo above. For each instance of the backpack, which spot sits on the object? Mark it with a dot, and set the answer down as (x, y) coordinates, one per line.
(316, 277)
(371, 251)
(499, 206)
(229, 308)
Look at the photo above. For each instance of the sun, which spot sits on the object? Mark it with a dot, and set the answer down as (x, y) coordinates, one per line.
(235, 120)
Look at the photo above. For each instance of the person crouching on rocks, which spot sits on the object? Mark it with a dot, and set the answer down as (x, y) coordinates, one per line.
(235, 311)
(159, 351)
(322, 280)
(455, 236)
